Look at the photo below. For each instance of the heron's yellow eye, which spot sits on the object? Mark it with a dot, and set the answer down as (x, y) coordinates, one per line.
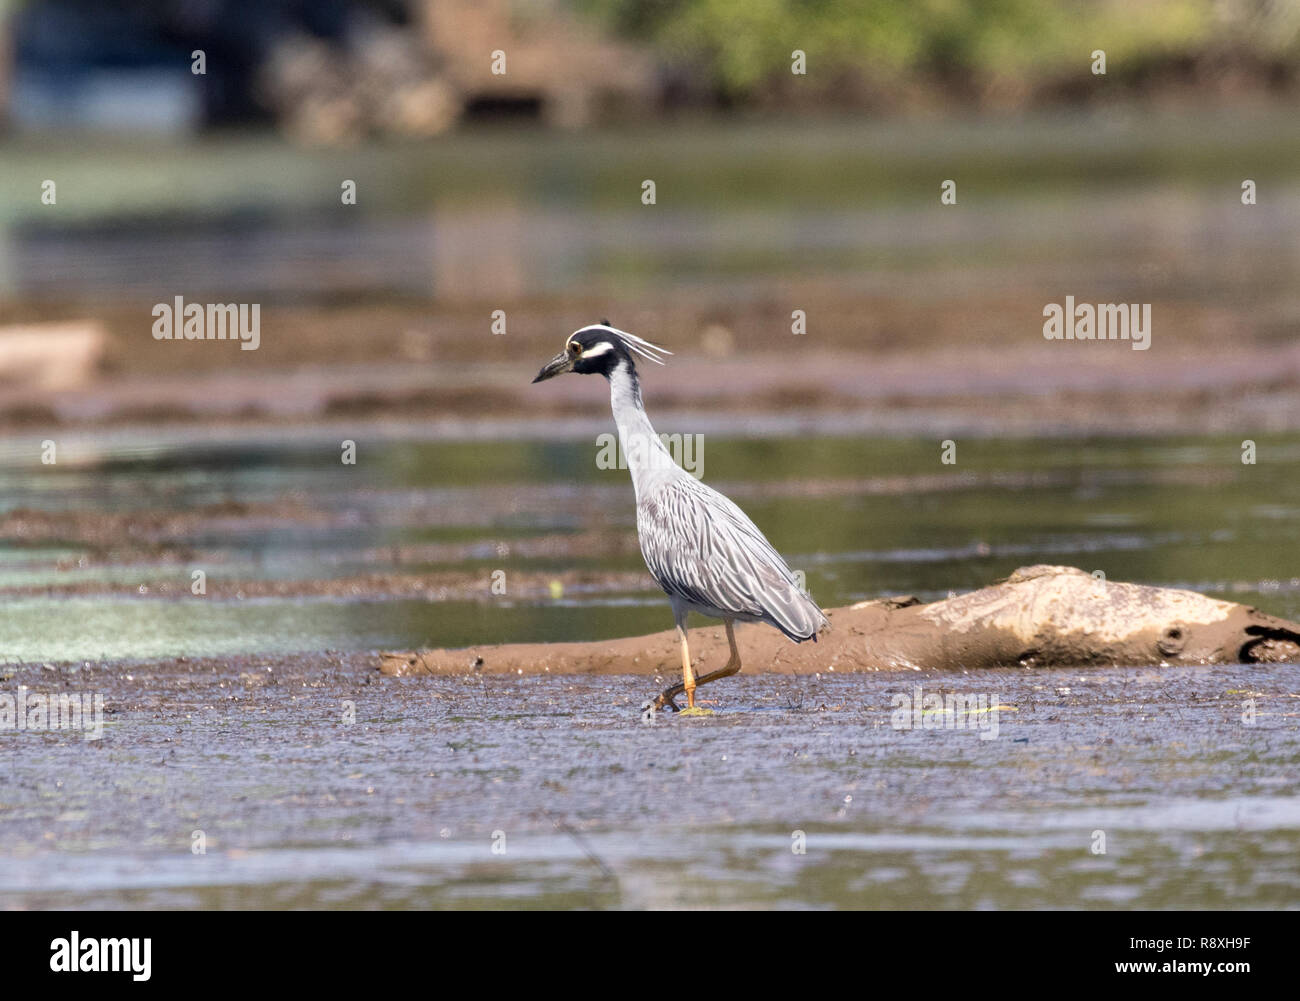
(575, 347)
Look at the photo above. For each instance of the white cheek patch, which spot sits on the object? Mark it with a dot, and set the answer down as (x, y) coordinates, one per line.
(604, 347)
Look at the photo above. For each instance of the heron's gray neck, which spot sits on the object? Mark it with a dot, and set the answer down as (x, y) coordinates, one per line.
(643, 448)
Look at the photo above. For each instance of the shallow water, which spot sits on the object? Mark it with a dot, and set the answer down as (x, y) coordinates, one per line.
(303, 553)
(741, 207)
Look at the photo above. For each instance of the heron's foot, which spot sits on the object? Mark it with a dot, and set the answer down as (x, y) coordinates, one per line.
(664, 701)
(697, 711)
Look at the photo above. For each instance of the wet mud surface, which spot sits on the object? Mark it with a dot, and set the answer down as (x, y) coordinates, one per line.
(588, 806)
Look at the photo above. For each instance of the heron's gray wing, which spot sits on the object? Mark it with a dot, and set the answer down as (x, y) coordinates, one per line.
(701, 547)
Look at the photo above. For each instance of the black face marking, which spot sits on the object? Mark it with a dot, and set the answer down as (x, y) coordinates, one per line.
(597, 352)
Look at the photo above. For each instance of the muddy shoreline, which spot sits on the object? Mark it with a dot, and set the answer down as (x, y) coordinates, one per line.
(884, 361)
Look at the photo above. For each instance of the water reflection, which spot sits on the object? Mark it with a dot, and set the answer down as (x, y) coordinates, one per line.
(502, 248)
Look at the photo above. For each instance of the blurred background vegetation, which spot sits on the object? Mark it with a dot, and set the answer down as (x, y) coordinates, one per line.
(333, 71)
(1003, 52)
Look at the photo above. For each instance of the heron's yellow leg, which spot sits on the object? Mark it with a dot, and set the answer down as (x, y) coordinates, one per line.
(688, 676)
(733, 665)
(690, 682)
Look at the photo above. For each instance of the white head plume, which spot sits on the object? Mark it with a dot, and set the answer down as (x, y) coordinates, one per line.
(636, 345)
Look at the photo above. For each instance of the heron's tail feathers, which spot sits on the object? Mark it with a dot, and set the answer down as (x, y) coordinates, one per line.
(799, 617)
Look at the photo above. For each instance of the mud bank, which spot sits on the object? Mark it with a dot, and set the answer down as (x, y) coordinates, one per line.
(397, 810)
(1041, 616)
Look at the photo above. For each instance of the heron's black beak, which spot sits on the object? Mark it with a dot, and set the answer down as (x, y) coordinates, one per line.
(558, 365)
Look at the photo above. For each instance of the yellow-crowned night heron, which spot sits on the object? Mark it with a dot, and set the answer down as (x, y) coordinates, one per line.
(701, 548)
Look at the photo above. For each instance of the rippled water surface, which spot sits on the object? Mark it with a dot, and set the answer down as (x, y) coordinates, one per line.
(862, 518)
